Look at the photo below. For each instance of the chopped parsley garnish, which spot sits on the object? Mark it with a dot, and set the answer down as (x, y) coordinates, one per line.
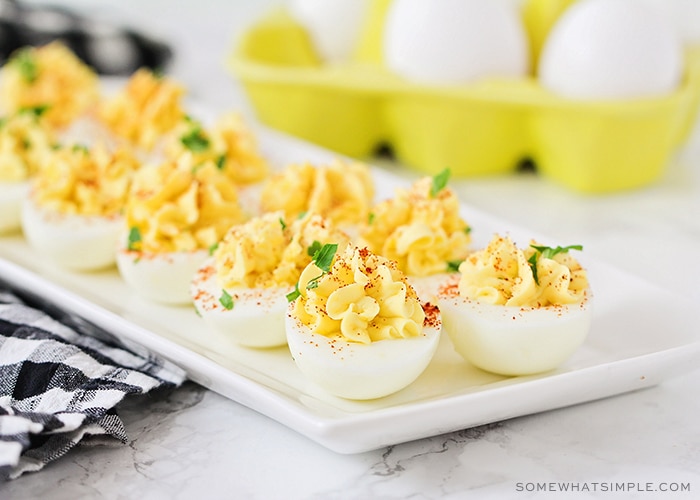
(35, 111)
(302, 214)
(134, 241)
(468, 230)
(323, 258)
(370, 218)
(439, 182)
(80, 148)
(283, 224)
(226, 300)
(453, 265)
(547, 253)
(213, 248)
(26, 65)
(294, 294)
(220, 162)
(313, 248)
(195, 141)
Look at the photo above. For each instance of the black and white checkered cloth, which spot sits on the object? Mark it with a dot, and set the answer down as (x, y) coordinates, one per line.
(108, 48)
(60, 380)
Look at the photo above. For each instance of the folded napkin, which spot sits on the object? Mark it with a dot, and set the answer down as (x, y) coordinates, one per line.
(60, 380)
(108, 48)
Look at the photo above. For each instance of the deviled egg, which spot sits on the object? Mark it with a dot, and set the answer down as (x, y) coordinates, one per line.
(73, 213)
(355, 326)
(517, 311)
(144, 111)
(50, 76)
(340, 191)
(229, 143)
(25, 144)
(422, 230)
(241, 290)
(176, 212)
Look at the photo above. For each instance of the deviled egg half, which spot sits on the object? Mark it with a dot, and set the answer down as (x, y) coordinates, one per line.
(50, 76)
(517, 311)
(25, 145)
(355, 326)
(422, 230)
(74, 211)
(340, 191)
(176, 212)
(241, 291)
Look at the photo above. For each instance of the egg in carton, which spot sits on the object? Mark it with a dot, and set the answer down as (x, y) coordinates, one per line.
(482, 121)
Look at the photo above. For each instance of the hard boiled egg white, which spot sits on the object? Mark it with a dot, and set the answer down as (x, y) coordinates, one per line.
(611, 49)
(511, 340)
(12, 195)
(161, 277)
(77, 242)
(455, 41)
(361, 371)
(333, 25)
(252, 317)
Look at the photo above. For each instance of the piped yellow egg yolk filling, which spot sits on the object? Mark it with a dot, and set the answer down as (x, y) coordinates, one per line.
(419, 228)
(363, 298)
(50, 76)
(78, 180)
(268, 252)
(177, 206)
(341, 192)
(148, 107)
(25, 145)
(503, 274)
(229, 143)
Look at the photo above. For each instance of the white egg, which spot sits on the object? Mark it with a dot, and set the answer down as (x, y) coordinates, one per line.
(161, 277)
(611, 49)
(12, 195)
(333, 25)
(252, 317)
(455, 41)
(511, 340)
(361, 371)
(683, 15)
(73, 241)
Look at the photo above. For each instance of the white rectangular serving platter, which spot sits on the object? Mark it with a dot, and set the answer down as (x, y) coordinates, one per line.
(640, 336)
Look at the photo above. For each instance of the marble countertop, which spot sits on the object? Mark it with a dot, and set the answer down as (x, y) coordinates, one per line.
(193, 443)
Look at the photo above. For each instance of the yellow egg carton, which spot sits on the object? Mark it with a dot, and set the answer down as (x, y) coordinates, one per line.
(484, 128)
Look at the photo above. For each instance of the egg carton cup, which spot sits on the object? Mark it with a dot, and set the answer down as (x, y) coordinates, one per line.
(477, 129)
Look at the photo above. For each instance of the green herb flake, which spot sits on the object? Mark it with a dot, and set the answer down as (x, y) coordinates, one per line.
(283, 224)
(294, 294)
(226, 300)
(439, 182)
(313, 248)
(82, 148)
(35, 111)
(453, 265)
(323, 258)
(468, 230)
(547, 253)
(370, 218)
(134, 239)
(220, 162)
(195, 141)
(26, 65)
(213, 248)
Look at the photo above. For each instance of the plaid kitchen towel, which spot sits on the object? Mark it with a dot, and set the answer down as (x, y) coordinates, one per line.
(60, 380)
(108, 48)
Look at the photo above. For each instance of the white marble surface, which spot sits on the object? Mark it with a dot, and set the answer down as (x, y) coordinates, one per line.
(192, 443)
